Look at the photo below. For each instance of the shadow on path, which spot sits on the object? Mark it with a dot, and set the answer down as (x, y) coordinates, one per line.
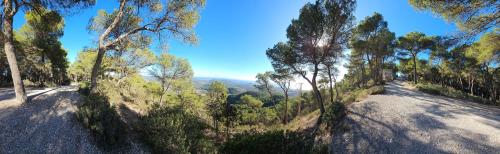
(45, 125)
(406, 121)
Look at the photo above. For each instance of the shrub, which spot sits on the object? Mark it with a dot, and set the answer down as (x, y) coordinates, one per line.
(376, 90)
(172, 130)
(360, 94)
(275, 141)
(334, 113)
(449, 92)
(84, 88)
(102, 119)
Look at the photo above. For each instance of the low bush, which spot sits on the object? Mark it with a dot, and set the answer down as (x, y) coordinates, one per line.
(103, 120)
(172, 130)
(360, 94)
(274, 141)
(334, 113)
(449, 92)
(84, 88)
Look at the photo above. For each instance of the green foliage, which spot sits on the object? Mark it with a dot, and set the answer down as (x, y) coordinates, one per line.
(360, 94)
(250, 111)
(172, 130)
(84, 88)
(250, 101)
(316, 38)
(472, 17)
(334, 113)
(411, 45)
(42, 58)
(217, 99)
(102, 119)
(264, 83)
(371, 44)
(276, 141)
(487, 48)
(79, 70)
(449, 92)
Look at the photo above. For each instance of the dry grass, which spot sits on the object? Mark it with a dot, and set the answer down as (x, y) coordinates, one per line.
(303, 122)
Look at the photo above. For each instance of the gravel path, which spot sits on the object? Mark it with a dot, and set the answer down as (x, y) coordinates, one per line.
(45, 125)
(407, 121)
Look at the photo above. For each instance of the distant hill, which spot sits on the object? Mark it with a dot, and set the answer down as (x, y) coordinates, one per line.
(235, 86)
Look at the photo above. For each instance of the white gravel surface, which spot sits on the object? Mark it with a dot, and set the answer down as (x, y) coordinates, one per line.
(407, 121)
(47, 124)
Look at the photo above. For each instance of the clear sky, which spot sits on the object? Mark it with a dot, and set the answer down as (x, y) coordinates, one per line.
(234, 34)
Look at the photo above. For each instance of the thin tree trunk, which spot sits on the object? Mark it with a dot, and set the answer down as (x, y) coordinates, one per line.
(10, 52)
(319, 99)
(329, 71)
(95, 69)
(414, 69)
(300, 101)
(363, 78)
(369, 64)
(285, 114)
(336, 89)
(461, 83)
(472, 85)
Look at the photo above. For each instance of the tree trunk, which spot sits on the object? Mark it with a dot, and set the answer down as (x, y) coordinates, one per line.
(363, 78)
(414, 69)
(329, 71)
(370, 64)
(319, 98)
(10, 52)
(285, 114)
(101, 49)
(300, 101)
(461, 83)
(336, 89)
(472, 85)
(95, 69)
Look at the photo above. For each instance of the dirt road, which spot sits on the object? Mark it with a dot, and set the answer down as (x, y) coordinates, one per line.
(407, 121)
(46, 124)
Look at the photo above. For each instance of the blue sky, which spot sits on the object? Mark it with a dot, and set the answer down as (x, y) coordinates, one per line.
(234, 35)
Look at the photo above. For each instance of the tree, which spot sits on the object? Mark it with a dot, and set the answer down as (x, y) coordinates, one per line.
(176, 17)
(128, 62)
(264, 83)
(373, 40)
(10, 9)
(83, 64)
(472, 17)
(486, 51)
(283, 80)
(356, 67)
(312, 37)
(43, 59)
(249, 108)
(217, 102)
(412, 44)
(440, 56)
(169, 70)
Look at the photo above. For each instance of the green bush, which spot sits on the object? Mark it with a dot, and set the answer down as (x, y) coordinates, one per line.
(103, 120)
(376, 90)
(276, 142)
(334, 113)
(172, 130)
(360, 94)
(449, 92)
(84, 88)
